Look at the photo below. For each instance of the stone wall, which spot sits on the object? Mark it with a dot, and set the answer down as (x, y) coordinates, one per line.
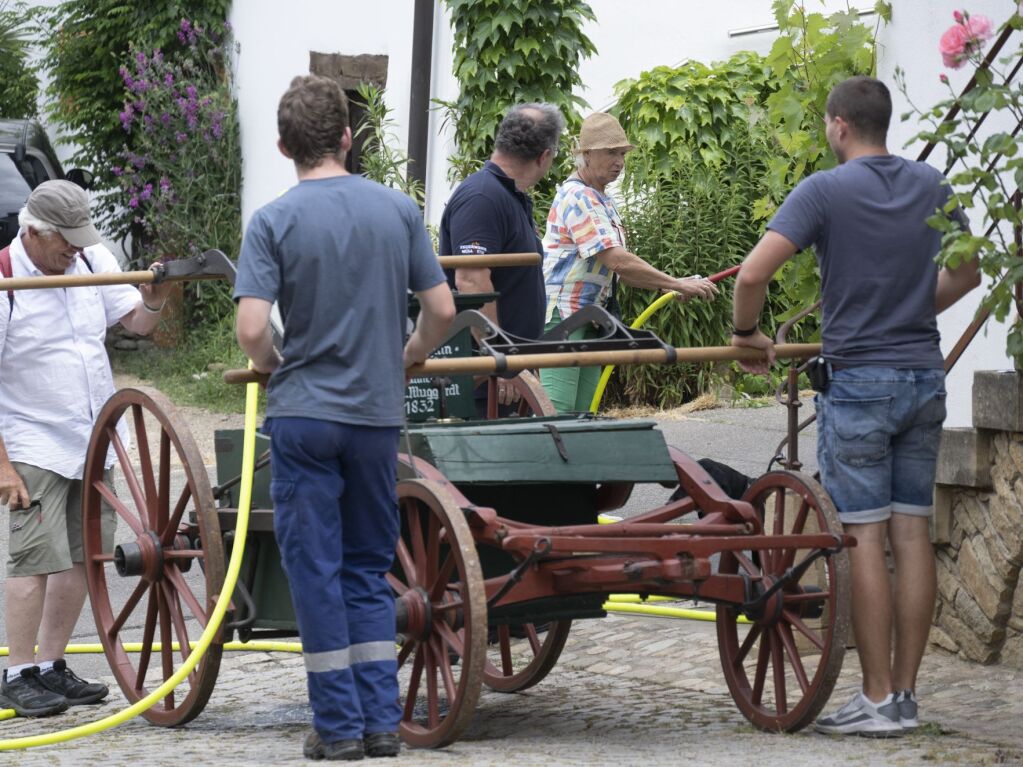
(978, 527)
(124, 340)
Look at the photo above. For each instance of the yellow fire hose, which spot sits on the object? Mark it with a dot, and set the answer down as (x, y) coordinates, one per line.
(260, 646)
(640, 321)
(212, 627)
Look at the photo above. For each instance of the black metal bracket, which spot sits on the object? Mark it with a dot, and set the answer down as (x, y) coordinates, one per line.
(558, 441)
(755, 607)
(613, 335)
(542, 547)
(212, 263)
(220, 490)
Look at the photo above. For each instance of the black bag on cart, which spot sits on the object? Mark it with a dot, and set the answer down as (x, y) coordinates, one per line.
(732, 481)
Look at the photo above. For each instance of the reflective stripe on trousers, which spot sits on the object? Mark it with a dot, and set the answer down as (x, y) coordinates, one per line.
(339, 660)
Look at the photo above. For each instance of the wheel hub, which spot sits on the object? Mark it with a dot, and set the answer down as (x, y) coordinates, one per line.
(182, 543)
(413, 613)
(769, 611)
(143, 557)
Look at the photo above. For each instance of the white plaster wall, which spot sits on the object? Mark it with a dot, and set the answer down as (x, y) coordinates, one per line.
(275, 42)
(910, 42)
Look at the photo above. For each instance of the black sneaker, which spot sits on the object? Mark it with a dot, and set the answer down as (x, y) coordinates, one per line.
(63, 681)
(28, 697)
(381, 744)
(340, 750)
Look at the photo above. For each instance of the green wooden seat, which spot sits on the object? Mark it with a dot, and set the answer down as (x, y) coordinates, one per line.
(542, 450)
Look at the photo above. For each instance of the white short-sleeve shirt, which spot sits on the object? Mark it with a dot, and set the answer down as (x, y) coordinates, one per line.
(55, 375)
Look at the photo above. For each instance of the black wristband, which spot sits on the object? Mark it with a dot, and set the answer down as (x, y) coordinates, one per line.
(744, 333)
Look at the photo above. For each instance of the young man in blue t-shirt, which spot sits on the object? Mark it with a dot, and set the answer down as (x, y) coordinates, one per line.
(879, 418)
(338, 253)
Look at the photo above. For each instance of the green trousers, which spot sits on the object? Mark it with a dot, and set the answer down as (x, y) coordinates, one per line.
(571, 389)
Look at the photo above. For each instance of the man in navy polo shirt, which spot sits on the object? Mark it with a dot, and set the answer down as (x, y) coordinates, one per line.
(490, 212)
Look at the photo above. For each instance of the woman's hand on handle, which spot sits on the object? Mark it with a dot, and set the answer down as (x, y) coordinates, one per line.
(695, 287)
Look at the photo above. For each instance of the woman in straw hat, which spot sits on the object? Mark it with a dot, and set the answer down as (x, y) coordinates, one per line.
(585, 253)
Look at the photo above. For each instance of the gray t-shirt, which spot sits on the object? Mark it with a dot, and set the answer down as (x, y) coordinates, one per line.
(867, 220)
(339, 254)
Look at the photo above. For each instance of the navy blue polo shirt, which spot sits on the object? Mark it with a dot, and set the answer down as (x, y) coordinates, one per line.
(487, 214)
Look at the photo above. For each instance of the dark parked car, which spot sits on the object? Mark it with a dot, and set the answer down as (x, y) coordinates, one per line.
(26, 160)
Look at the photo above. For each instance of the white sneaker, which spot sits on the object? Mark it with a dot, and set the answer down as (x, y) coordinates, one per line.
(862, 717)
(907, 709)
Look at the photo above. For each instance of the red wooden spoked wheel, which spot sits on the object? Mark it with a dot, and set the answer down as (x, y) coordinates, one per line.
(782, 667)
(533, 399)
(519, 656)
(160, 583)
(442, 615)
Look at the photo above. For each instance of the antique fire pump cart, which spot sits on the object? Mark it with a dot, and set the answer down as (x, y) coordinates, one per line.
(500, 549)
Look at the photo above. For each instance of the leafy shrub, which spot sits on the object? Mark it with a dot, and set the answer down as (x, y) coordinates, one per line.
(180, 172)
(703, 149)
(20, 84)
(719, 147)
(505, 56)
(86, 41)
(813, 53)
(381, 160)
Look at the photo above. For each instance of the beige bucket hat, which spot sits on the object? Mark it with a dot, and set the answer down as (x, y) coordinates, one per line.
(602, 131)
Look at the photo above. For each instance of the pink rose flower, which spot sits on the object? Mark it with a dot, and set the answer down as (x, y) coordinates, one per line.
(980, 28)
(964, 38)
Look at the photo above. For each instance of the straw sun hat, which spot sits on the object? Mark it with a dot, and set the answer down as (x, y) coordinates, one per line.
(602, 131)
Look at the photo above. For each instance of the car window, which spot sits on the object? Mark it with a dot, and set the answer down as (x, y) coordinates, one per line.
(34, 170)
(14, 190)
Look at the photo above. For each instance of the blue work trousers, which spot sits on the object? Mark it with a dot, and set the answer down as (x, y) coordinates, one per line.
(336, 523)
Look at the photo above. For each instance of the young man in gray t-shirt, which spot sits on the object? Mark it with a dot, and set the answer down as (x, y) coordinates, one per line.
(338, 253)
(879, 419)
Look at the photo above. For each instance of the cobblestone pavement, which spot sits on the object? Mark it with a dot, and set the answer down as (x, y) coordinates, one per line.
(627, 691)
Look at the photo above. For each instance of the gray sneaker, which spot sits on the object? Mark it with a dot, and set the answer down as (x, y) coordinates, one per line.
(63, 681)
(862, 717)
(27, 695)
(906, 701)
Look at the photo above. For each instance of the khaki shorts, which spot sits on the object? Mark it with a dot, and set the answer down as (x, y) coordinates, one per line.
(47, 536)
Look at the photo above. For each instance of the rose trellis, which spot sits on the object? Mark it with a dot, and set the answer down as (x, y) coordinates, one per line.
(985, 165)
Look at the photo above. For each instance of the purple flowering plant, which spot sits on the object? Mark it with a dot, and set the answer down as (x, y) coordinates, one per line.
(982, 144)
(180, 171)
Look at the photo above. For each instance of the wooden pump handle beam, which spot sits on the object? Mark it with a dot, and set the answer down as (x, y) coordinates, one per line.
(210, 265)
(489, 260)
(484, 365)
(146, 276)
(81, 280)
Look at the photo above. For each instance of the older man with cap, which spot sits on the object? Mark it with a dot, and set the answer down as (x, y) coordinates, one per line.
(585, 253)
(54, 378)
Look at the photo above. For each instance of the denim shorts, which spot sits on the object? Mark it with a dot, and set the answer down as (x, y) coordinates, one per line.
(879, 430)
